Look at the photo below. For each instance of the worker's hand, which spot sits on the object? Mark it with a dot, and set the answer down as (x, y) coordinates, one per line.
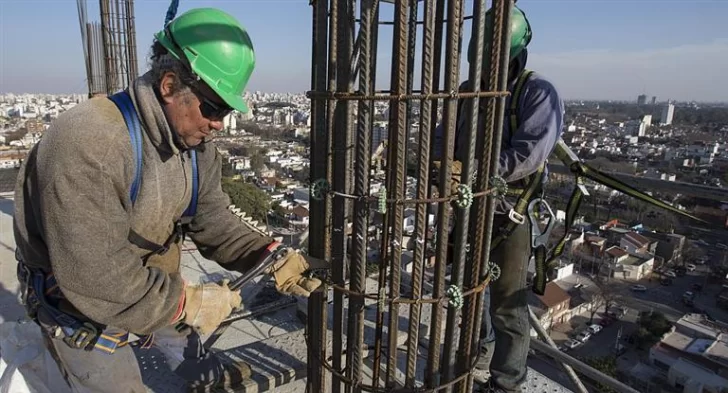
(289, 273)
(206, 305)
(455, 170)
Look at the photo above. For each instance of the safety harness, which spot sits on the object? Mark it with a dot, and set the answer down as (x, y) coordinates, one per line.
(546, 261)
(131, 118)
(41, 288)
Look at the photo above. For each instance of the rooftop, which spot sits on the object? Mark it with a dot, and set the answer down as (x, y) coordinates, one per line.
(632, 260)
(553, 295)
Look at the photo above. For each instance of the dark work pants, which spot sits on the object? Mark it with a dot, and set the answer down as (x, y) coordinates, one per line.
(95, 371)
(506, 330)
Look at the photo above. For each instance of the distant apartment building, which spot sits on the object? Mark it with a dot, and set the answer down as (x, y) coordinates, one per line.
(641, 99)
(669, 245)
(691, 357)
(552, 307)
(667, 112)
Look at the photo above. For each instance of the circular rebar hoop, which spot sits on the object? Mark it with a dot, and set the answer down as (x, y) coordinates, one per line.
(346, 96)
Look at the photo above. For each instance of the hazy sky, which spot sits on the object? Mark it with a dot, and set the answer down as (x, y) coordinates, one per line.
(604, 49)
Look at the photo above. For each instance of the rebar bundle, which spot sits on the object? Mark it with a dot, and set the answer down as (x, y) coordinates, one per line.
(373, 334)
(109, 46)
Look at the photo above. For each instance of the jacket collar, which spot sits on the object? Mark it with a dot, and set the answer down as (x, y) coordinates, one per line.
(152, 115)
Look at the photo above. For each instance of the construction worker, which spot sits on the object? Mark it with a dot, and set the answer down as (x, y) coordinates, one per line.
(99, 251)
(532, 127)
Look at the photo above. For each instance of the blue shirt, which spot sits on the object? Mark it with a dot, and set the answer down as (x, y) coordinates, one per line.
(540, 118)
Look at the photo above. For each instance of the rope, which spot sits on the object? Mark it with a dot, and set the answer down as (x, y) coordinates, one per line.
(171, 11)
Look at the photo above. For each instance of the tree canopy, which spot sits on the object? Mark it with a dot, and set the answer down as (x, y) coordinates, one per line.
(249, 198)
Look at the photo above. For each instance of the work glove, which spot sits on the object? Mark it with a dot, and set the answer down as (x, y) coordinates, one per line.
(206, 305)
(290, 273)
(455, 172)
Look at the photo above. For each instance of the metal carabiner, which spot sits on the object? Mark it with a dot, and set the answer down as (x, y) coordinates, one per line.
(540, 237)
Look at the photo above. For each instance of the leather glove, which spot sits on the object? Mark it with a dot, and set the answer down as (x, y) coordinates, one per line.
(455, 172)
(289, 275)
(206, 305)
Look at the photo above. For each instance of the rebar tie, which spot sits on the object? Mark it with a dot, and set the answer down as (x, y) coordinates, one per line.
(465, 196)
(319, 189)
(382, 202)
(494, 270)
(500, 185)
(455, 297)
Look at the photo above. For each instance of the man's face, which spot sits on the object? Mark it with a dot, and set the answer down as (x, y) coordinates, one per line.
(193, 115)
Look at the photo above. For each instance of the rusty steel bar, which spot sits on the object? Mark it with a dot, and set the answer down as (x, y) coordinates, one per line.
(355, 339)
(488, 163)
(421, 217)
(132, 63)
(459, 253)
(106, 45)
(396, 175)
(443, 214)
(462, 216)
(317, 316)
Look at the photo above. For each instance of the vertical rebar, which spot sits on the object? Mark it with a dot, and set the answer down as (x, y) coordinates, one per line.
(489, 160)
(421, 213)
(398, 148)
(361, 182)
(119, 48)
(443, 214)
(107, 46)
(318, 222)
(460, 245)
(132, 62)
(462, 239)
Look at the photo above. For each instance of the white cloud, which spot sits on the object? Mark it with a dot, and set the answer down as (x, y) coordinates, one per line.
(686, 72)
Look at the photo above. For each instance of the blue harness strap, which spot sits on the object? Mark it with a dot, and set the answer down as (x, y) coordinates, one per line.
(133, 124)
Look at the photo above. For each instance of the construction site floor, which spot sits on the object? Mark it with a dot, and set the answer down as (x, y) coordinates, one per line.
(272, 343)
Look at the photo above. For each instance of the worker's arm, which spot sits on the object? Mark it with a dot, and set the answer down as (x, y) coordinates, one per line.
(541, 120)
(84, 173)
(218, 233)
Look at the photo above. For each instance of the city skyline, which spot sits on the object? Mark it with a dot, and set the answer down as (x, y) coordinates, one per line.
(590, 49)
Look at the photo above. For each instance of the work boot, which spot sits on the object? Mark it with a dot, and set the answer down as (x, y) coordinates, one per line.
(233, 376)
(488, 387)
(481, 371)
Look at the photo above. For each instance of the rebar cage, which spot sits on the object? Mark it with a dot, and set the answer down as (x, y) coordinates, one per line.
(387, 318)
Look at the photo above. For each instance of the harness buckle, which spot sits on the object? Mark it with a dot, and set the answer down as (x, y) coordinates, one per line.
(82, 337)
(516, 217)
(540, 237)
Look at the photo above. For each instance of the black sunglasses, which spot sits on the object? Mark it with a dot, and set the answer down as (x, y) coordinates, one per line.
(210, 109)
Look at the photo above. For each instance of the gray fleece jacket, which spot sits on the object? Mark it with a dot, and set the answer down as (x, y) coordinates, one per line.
(73, 213)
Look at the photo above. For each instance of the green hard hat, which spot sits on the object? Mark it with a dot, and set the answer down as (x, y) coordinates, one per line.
(217, 48)
(520, 35)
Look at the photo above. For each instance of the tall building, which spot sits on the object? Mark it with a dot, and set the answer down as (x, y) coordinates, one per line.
(641, 99)
(667, 111)
(654, 100)
(379, 134)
